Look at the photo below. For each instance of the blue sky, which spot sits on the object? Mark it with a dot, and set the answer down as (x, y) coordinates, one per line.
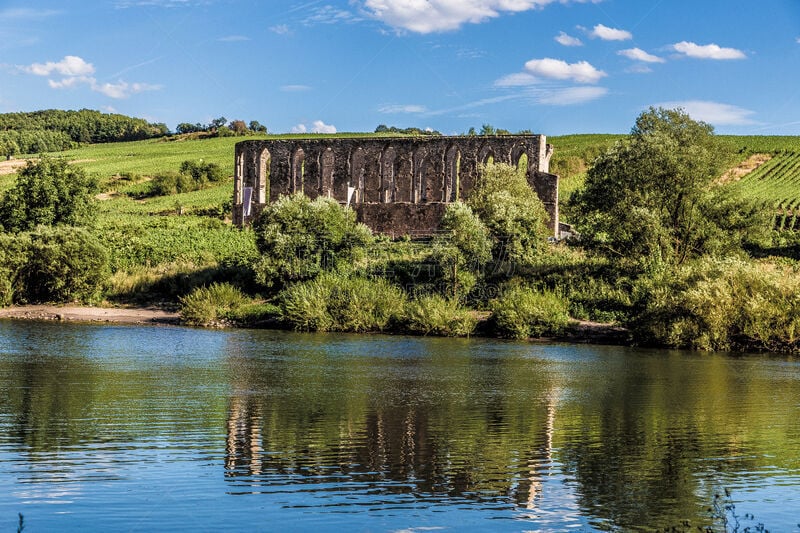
(550, 66)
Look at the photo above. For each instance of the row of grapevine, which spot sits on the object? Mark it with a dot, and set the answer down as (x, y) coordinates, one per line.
(776, 182)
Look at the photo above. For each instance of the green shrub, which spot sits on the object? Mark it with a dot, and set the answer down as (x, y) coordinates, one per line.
(435, 315)
(337, 302)
(48, 192)
(521, 312)
(65, 265)
(299, 238)
(721, 304)
(211, 305)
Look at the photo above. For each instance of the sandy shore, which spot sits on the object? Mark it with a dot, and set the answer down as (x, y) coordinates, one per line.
(113, 315)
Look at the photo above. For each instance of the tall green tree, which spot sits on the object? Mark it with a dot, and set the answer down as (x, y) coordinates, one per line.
(48, 192)
(654, 197)
(513, 214)
(299, 238)
(462, 249)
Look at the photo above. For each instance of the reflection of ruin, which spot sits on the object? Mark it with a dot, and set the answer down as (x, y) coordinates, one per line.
(396, 185)
(398, 449)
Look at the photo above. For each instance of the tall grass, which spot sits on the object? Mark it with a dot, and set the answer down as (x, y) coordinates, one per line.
(436, 315)
(338, 302)
(521, 312)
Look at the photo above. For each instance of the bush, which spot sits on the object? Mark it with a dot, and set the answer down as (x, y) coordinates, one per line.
(513, 213)
(435, 315)
(48, 192)
(299, 238)
(336, 302)
(65, 265)
(521, 313)
(716, 304)
(211, 305)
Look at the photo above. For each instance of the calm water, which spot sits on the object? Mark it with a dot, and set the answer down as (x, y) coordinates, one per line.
(141, 429)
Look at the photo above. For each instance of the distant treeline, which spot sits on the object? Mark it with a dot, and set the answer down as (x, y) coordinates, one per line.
(54, 130)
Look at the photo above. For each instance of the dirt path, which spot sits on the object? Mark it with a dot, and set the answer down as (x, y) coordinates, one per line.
(11, 166)
(113, 315)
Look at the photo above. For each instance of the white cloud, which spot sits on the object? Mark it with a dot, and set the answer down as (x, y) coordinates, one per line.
(713, 112)
(20, 13)
(122, 89)
(518, 79)
(581, 72)
(69, 66)
(295, 88)
(402, 108)
(233, 39)
(571, 95)
(567, 40)
(428, 16)
(331, 15)
(316, 127)
(637, 54)
(610, 34)
(76, 72)
(280, 29)
(708, 51)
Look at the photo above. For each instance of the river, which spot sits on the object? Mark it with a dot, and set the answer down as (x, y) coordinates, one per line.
(122, 428)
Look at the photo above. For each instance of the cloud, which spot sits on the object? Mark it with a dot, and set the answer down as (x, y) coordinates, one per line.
(637, 54)
(713, 112)
(122, 89)
(69, 66)
(518, 79)
(316, 127)
(429, 16)
(295, 88)
(708, 51)
(571, 95)
(280, 29)
(580, 72)
(330, 15)
(22, 13)
(610, 34)
(402, 108)
(124, 4)
(77, 72)
(233, 39)
(567, 40)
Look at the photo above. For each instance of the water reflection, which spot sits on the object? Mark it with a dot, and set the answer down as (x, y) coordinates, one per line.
(405, 431)
(644, 438)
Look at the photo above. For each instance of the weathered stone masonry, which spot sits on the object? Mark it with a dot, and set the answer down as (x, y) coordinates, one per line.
(401, 185)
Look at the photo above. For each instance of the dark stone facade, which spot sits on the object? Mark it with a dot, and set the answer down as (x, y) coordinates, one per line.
(399, 185)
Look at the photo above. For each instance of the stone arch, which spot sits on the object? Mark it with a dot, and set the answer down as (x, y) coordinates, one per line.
(357, 160)
(388, 169)
(298, 167)
(432, 178)
(238, 182)
(262, 176)
(486, 155)
(452, 171)
(327, 163)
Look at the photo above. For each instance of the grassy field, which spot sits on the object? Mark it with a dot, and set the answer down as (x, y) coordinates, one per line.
(186, 229)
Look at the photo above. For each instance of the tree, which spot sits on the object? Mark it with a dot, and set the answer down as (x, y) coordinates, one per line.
(8, 147)
(48, 192)
(299, 238)
(257, 127)
(653, 197)
(217, 122)
(488, 129)
(462, 249)
(513, 213)
(238, 127)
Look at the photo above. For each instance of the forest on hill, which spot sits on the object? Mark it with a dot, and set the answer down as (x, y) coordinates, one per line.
(54, 130)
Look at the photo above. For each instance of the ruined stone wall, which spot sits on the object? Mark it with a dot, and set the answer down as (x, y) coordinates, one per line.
(400, 185)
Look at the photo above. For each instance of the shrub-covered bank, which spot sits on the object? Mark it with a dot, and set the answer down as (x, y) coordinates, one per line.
(667, 252)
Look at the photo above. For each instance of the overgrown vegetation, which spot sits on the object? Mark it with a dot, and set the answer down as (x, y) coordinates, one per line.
(666, 245)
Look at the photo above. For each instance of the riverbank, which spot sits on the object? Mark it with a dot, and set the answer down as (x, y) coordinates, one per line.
(579, 332)
(113, 315)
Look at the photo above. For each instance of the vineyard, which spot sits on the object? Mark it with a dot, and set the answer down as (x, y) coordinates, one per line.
(777, 182)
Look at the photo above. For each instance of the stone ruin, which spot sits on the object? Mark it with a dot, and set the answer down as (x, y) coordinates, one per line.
(397, 185)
